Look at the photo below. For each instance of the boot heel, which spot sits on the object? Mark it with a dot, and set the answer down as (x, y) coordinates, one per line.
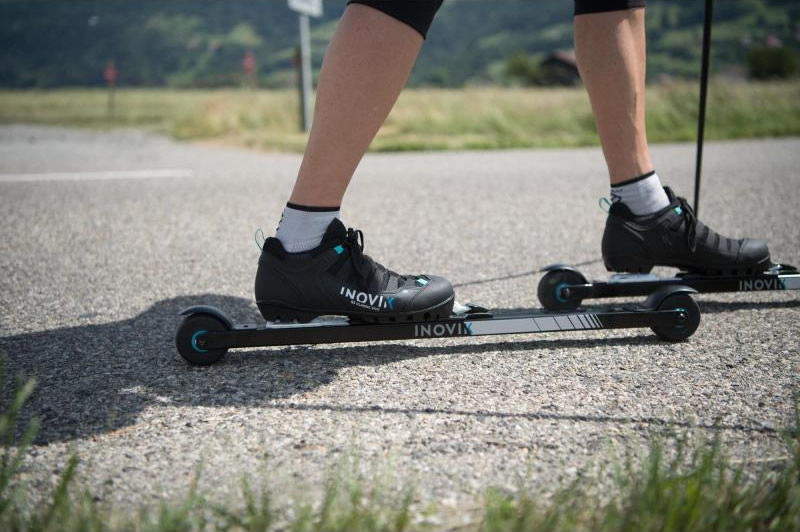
(272, 312)
(627, 264)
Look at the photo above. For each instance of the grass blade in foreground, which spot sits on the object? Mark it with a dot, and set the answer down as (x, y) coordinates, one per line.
(693, 488)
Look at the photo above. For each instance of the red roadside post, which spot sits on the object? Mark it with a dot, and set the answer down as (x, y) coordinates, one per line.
(249, 69)
(110, 75)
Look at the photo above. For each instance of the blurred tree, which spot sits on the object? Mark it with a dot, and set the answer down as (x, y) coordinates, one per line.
(521, 68)
(771, 63)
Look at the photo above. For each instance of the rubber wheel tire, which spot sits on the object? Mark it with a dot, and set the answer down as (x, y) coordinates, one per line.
(681, 332)
(550, 287)
(185, 339)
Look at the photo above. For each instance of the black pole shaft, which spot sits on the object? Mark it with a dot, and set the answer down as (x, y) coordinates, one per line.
(701, 118)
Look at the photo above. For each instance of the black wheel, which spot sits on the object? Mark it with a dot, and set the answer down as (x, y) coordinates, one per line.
(192, 327)
(552, 292)
(687, 326)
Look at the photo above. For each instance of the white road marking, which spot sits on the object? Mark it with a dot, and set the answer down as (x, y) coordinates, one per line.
(94, 176)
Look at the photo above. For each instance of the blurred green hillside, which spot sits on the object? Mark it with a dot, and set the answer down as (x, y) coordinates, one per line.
(191, 43)
(423, 119)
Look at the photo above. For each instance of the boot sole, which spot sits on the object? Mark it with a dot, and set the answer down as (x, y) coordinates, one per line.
(628, 264)
(276, 311)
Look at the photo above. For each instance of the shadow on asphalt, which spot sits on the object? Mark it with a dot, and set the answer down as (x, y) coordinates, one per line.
(536, 416)
(95, 379)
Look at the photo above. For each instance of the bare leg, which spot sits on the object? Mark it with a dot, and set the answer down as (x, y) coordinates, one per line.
(365, 68)
(324, 271)
(610, 49)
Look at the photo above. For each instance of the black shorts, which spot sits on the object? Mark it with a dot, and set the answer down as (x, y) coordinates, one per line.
(419, 13)
(582, 7)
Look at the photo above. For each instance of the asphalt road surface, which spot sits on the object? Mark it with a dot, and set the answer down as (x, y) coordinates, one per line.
(106, 236)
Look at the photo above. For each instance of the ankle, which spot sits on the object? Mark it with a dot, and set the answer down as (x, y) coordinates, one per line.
(302, 227)
(642, 195)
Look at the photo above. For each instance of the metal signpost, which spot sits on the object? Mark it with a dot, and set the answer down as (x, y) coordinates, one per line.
(305, 9)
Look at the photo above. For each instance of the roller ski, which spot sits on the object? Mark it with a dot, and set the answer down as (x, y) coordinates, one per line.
(564, 288)
(337, 294)
(206, 334)
(673, 237)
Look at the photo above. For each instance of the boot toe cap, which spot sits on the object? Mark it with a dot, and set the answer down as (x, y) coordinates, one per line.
(754, 250)
(437, 291)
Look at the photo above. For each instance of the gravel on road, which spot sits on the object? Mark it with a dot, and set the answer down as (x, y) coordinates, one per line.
(96, 266)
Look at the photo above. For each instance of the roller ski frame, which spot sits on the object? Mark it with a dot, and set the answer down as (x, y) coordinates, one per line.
(206, 333)
(564, 288)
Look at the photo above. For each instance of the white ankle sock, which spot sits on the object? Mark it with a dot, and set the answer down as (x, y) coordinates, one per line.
(301, 228)
(642, 195)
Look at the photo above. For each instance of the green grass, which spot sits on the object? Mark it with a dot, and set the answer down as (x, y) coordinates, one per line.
(424, 119)
(697, 489)
(692, 487)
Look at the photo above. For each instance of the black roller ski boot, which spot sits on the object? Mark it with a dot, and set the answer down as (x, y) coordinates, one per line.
(674, 237)
(337, 278)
